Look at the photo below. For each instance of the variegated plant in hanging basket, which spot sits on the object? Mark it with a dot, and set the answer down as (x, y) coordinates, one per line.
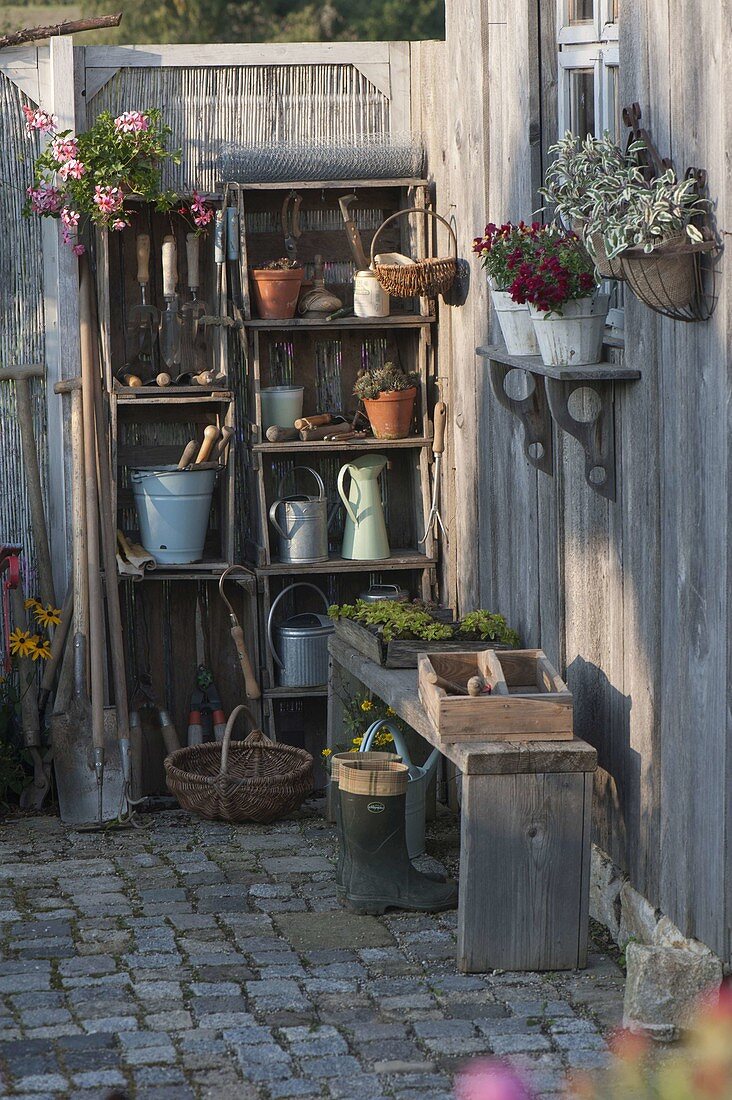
(425, 278)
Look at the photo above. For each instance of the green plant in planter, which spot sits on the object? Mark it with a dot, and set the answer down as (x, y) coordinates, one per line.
(388, 378)
(283, 264)
(504, 248)
(487, 626)
(651, 213)
(396, 620)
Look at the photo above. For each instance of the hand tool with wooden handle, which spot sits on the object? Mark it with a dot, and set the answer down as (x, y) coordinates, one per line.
(192, 351)
(253, 691)
(448, 685)
(478, 686)
(210, 435)
(438, 448)
(170, 318)
(168, 731)
(290, 220)
(308, 434)
(354, 237)
(223, 445)
(278, 434)
(163, 379)
(131, 380)
(315, 421)
(143, 319)
(189, 454)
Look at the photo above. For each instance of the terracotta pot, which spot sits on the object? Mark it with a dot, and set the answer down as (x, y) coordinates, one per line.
(390, 414)
(276, 292)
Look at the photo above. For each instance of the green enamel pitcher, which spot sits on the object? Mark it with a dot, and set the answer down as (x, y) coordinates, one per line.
(364, 535)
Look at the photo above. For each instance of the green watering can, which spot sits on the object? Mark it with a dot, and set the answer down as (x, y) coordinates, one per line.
(364, 535)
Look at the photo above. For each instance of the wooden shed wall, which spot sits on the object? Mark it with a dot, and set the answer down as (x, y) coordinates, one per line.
(629, 597)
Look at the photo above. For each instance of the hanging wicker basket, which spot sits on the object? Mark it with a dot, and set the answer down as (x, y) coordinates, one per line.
(424, 278)
(251, 780)
(666, 278)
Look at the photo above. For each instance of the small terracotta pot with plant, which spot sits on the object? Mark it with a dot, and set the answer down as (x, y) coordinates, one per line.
(277, 286)
(388, 395)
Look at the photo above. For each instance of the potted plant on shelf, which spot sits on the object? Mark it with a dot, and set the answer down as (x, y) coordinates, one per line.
(560, 288)
(501, 250)
(277, 287)
(388, 394)
(87, 177)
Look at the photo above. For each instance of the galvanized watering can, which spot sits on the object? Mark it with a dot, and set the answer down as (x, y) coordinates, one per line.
(419, 779)
(303, 522)
(301, 655)
(364, 534)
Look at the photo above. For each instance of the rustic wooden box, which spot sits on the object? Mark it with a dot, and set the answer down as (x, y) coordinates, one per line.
(529, 700)
(400, 652)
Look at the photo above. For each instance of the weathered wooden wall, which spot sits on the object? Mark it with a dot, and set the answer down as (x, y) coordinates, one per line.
(629, 597)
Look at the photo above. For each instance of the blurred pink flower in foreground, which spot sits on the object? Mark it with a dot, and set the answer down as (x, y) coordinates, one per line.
(485, 1079)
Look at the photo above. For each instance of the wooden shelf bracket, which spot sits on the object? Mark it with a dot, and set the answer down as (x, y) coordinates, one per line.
(532, 411)
(596, 436)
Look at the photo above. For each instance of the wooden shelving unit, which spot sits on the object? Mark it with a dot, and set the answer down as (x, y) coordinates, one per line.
(325, 356)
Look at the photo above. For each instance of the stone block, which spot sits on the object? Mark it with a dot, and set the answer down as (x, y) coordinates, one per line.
(666, 934)
(663, 986)
(638, 918)
(605, 883)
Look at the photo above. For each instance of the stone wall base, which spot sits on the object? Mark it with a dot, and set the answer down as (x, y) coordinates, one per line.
(666, 971)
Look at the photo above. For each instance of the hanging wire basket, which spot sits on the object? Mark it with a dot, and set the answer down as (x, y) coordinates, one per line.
(251, 780)
(677, 279)
(424, 278)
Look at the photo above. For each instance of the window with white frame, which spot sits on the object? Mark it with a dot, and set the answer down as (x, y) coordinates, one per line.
(589, 88)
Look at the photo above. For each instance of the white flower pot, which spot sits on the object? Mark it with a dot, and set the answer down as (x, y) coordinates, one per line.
(574, 338)
(516, 325)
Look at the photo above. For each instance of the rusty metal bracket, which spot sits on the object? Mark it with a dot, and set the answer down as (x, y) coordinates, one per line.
(532, 411)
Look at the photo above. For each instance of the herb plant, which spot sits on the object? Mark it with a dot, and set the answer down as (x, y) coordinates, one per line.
(413, 621)
(283, 264)
(487, 626)
(390, 378)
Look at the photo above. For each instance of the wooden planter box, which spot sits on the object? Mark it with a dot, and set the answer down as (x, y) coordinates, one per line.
(529, 700)
(400, 653)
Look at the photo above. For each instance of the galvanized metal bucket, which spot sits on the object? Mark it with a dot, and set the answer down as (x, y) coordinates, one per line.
(303, 522)
(301, 655)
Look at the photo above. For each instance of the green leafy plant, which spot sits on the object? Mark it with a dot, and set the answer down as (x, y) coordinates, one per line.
(390, 378)
(488, 626)
(86, 177)
(359, 711)
(283, 264)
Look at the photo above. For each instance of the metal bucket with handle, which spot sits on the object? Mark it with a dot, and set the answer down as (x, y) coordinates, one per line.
(302, 521)
(419, 778)
(302, 660)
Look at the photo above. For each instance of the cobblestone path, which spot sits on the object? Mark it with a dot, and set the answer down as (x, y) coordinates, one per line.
(195, 960)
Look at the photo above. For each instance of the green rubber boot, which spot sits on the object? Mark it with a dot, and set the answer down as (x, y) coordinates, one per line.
(373, 760)
(380, 875)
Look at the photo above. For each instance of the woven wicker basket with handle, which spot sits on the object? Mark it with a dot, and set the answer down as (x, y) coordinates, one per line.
(251, 780)
(422, 279)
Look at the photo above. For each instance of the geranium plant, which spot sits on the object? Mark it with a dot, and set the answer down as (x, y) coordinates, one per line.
(560, 272)
(88, 176)
(503, 248)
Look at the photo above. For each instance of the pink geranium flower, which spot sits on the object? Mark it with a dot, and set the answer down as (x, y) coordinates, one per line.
(45, 199)
(78, 250)
(70, 218)
(132, 122)
(201, 213)
(64, 151)
(73, 168)
(119, 224)
(108, 199)
(39, 120)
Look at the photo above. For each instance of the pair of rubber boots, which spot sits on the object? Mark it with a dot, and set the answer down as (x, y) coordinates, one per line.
(374, 872)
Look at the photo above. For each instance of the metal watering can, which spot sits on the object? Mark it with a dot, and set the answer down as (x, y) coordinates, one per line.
(419, 778)
(302, 640)
(364, 534)
(304, 522)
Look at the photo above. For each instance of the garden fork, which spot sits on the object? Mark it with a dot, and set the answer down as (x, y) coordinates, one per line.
(438, 448)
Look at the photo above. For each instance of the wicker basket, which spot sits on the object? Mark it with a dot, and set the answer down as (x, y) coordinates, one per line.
(664, 279)
(422, 279)
(251, 780)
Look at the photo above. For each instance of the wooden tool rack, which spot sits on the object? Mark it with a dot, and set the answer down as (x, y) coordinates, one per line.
(325, 357)
(164, 631)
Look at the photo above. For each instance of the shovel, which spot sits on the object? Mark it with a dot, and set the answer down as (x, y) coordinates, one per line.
(170, 318)
(192, 349)
(143, 320)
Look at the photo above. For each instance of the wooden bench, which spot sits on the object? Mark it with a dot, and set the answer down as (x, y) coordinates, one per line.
(524, 831)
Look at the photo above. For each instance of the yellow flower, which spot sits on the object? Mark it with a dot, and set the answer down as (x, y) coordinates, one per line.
(42, 649)
(47, 616)
(30, 602)
(21, 643)
(357, 741)
(390, 712)
(326, 752)
(367, 705)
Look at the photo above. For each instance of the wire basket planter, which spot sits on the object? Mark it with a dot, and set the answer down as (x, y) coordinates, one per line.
(677, 279)
(251, 780)
(422, 279)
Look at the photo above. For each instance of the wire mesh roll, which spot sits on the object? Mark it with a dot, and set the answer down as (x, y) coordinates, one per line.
(376, 156)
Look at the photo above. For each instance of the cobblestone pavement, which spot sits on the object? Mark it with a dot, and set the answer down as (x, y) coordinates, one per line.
(195, 960)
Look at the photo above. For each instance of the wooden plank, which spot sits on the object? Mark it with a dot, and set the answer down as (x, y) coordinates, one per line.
(400, 88)
(599, 372)
(400, 559)
(523, 863)
(218, 55)
(394, 320)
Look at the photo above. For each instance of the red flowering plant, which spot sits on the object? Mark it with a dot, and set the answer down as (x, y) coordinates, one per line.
(560, 271)
(504, 248)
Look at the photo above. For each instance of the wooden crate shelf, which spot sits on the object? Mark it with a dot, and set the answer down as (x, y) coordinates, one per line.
(395, 320)
(412, 442)
(400, 559)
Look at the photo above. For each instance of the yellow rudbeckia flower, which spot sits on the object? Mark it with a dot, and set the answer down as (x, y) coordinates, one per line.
(326, 752)
(30, 602)
(42, 650)
(47, 616)
(21, 643)
(367, 705)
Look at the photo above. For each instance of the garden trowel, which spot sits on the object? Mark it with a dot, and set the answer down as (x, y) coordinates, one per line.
(143, 319)
(170, 322)
(192, 335)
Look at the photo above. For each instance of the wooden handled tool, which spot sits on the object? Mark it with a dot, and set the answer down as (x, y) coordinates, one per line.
(189, 454)
(438, 448)
(478, 686)
(277, 434)
(210, 435)
(143, 259)
(308, 434)
(215, 465)
(439, 419)
(222, 447)
(251, 686)
(163, 379)
(315, 421)
(132, 380)
(168, 731)
(448, 685)
(344, 437)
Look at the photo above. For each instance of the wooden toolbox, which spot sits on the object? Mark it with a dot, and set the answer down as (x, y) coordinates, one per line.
(528, 700)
